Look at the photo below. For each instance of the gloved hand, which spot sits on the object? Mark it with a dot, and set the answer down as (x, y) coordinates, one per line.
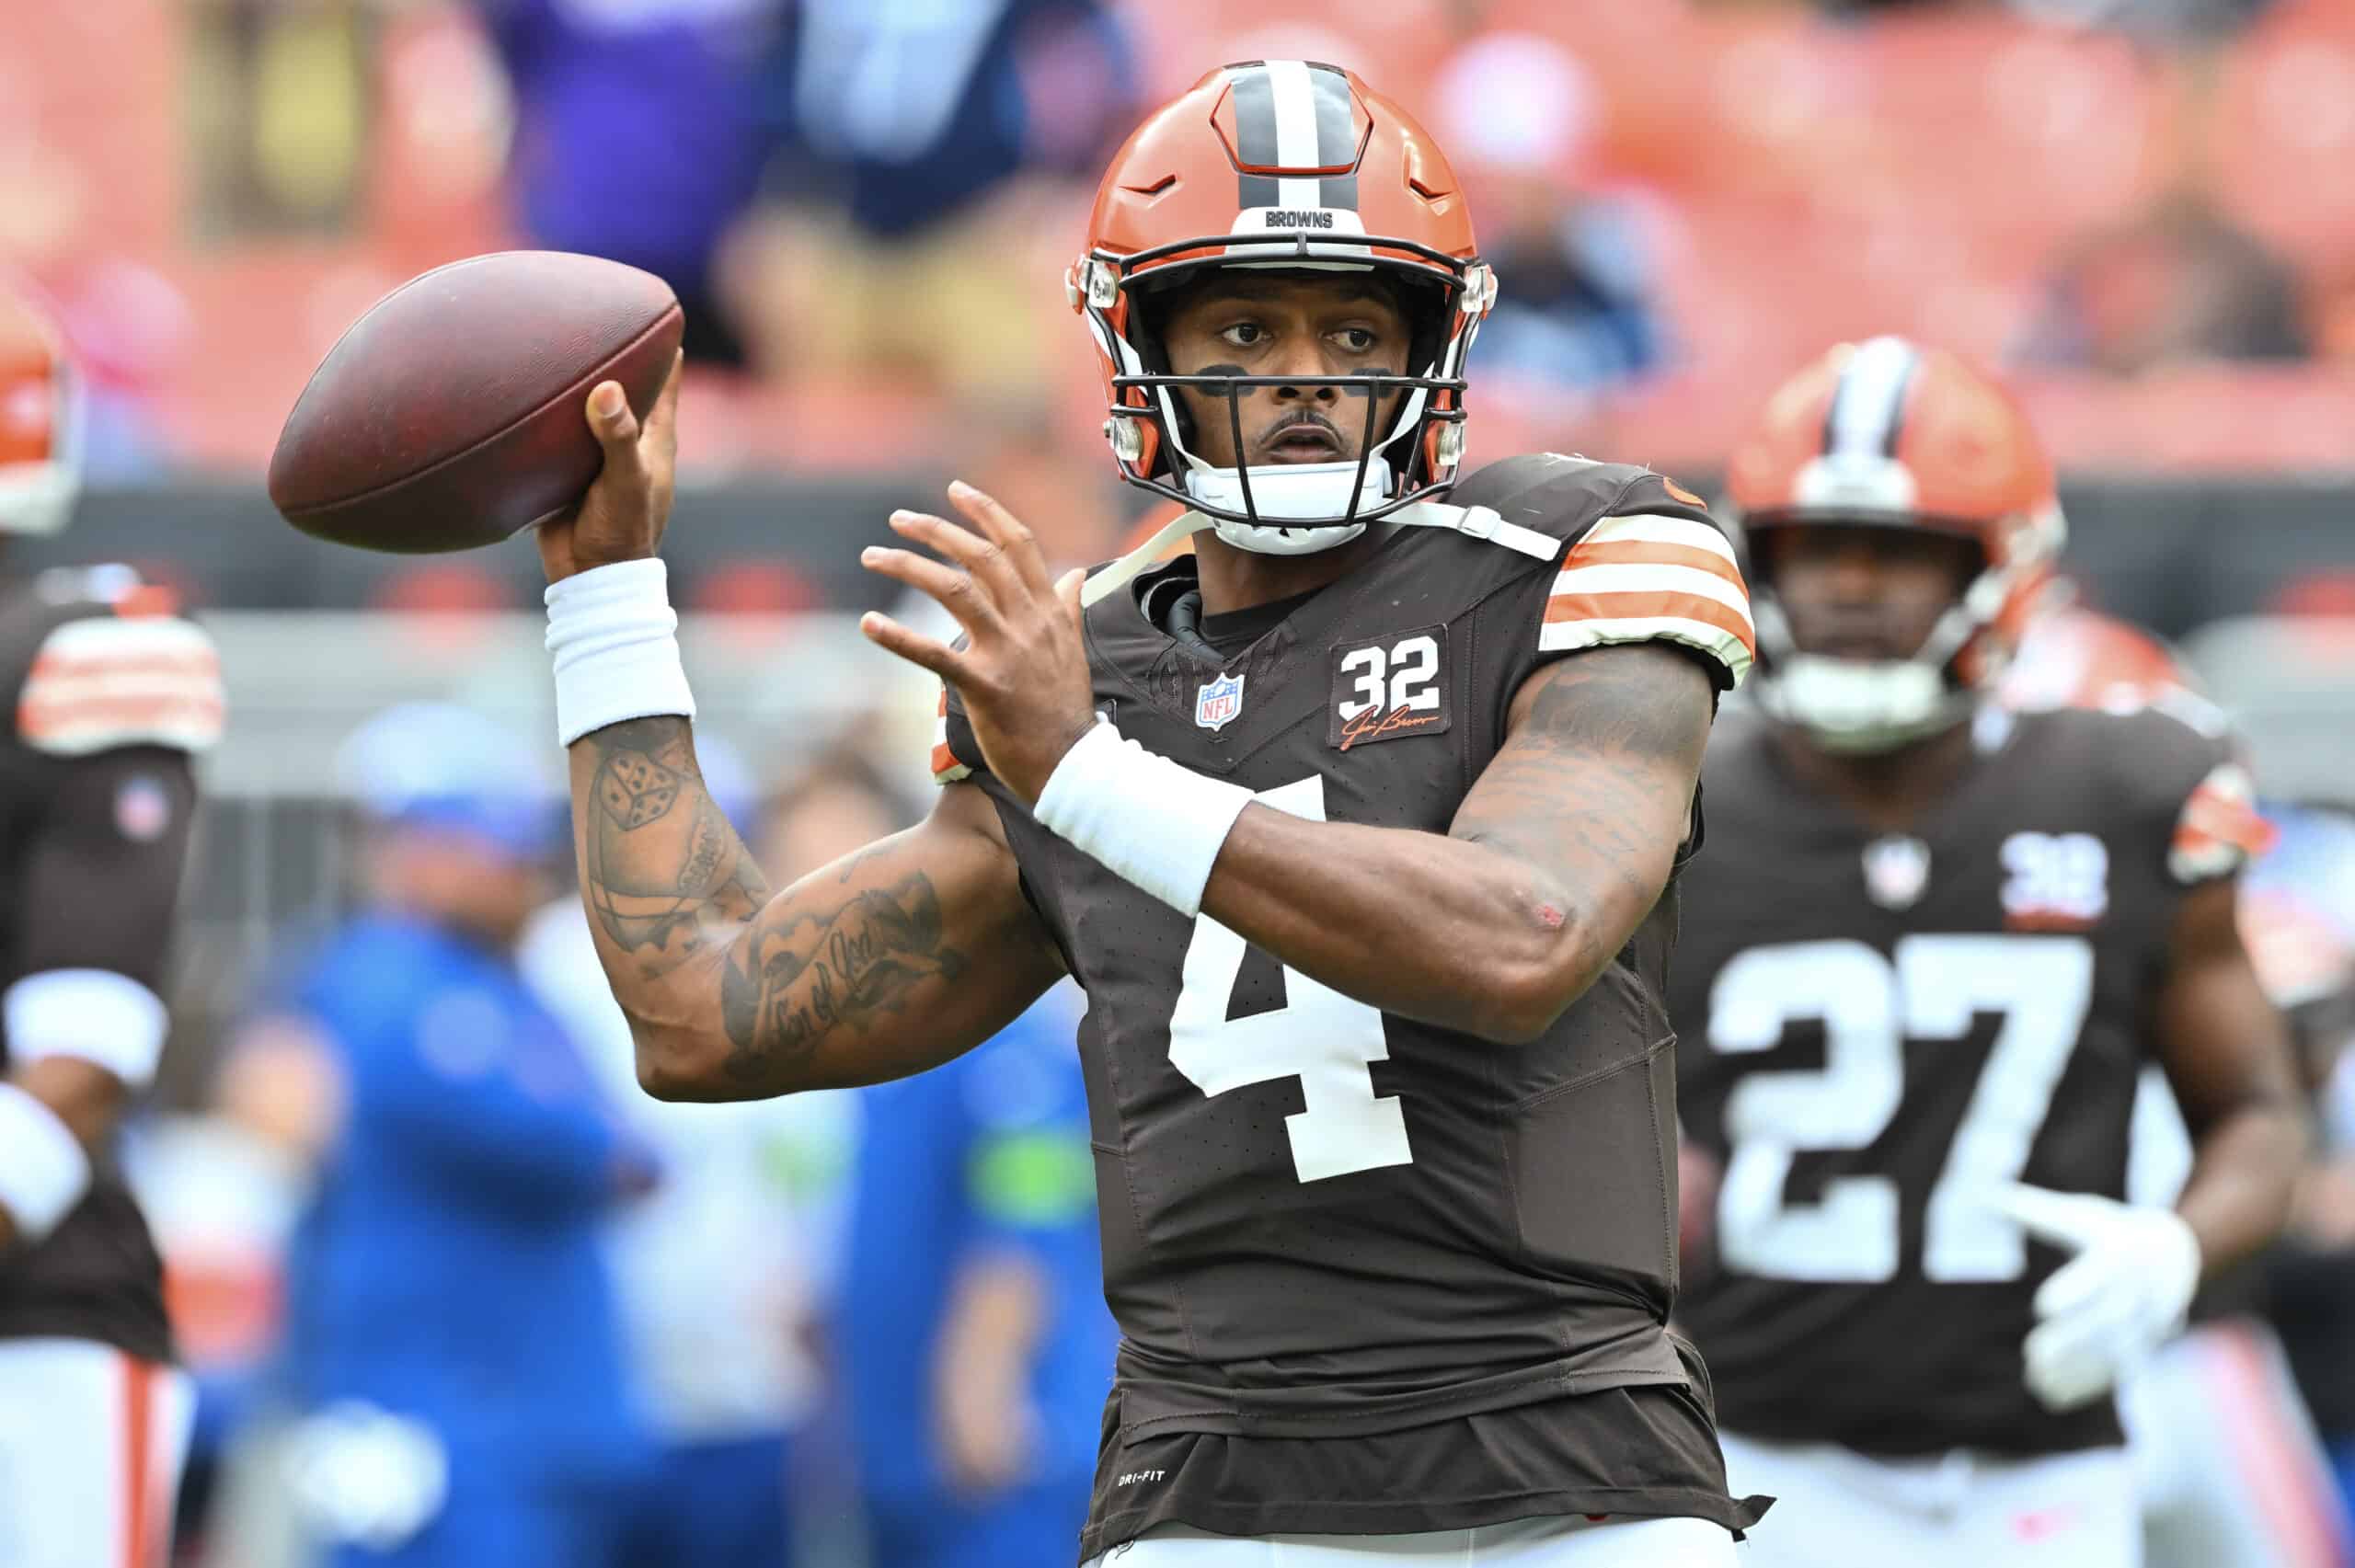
(2120, 1298)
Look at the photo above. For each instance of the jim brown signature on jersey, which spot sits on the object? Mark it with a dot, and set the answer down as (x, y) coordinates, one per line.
(1380, 724)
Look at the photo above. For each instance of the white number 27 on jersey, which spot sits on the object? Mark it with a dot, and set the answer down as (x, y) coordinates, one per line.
(2043, 986)
(1319, 1036)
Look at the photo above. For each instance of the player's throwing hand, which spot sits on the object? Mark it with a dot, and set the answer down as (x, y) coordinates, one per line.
(623, 516)
(1024, 672)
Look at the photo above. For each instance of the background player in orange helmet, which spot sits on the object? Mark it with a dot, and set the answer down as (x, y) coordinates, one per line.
(109, 697)
(1360, 826)
(1915, 1006)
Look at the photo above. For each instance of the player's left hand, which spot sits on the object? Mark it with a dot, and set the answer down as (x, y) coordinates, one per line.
(1023, 674)
(2106, 1309)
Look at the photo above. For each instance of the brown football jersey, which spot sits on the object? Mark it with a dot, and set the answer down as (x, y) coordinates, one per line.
(109, 693)
(1325, 1226)
(1875, 1027)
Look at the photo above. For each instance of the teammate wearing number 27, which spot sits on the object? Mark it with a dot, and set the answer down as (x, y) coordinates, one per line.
(1915, 1008)
(1360, 827)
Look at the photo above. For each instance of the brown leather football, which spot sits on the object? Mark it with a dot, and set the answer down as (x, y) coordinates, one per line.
(450, 414)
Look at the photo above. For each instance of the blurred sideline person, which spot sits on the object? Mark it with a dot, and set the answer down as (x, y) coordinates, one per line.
(1917, 1003)
(720, 1269)
(976, 1348)
(2228, 1466)
(451, 1340)
(111, 697)
(973, 1347)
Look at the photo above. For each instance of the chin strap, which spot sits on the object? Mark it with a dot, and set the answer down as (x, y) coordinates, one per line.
(1473, 522)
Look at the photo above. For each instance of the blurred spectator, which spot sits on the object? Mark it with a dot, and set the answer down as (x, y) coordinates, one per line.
(451, 1341)
(639, 134)
(2305, 943)
(2179, 284)
(975, 1346)
(914, 108)
(1518, 113)
(893, 250)
(720, 1269)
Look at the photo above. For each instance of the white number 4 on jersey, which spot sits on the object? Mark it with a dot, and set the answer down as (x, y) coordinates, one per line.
(1323, 1038)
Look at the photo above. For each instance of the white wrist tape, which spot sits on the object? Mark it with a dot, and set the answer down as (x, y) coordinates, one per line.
(1149, 820)
(615, 640)
(101, 1016)
(43, 1171)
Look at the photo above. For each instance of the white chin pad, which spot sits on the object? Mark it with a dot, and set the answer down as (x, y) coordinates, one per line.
(1300, 540)
(1293, 492)
(37, 498)
(1316, 494)
(1854, 705)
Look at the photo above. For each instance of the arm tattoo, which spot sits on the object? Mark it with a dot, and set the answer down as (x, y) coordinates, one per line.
(660, 864)
(1595, 704)
(802, 972)
(667, 881)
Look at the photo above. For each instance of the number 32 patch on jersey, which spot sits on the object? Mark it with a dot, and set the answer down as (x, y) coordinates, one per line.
(1390, 690)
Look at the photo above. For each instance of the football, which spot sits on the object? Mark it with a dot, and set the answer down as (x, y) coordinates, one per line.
(450, 415)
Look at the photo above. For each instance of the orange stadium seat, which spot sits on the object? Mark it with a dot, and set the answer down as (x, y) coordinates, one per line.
(99, 149)
(1816, 180)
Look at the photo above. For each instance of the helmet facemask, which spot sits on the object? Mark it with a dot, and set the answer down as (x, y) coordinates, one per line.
(1287, 509)
(1863, 706)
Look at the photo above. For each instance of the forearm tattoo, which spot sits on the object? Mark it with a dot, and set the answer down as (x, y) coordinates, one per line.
(667, 878)
(661, 865)
(803, 971)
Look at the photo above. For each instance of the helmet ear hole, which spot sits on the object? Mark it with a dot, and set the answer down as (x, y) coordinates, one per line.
(1147, 311)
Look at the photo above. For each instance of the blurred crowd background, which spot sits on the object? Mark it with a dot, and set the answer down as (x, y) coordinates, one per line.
(868, 1323)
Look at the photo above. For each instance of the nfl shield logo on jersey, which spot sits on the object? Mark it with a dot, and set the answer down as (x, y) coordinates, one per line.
(1896, 870)
(1218, 702)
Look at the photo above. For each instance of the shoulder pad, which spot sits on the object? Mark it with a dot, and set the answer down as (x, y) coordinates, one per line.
(1563, 496)
(106, 680)
(2219, 829)
(2171, 764)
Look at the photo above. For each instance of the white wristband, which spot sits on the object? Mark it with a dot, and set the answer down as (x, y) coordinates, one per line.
(103, 1018)
(43, 1171)
(1151, 821)
(615, 640)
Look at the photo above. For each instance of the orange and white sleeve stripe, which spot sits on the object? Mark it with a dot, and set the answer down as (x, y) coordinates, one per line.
(122, 680)
(2220, 828)
(1645, 578)
(946, 768)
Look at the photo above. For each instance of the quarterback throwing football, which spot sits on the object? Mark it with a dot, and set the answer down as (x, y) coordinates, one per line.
(1360, 826)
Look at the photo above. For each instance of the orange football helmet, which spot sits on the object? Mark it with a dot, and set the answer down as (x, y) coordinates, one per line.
(2070, 657)
(1889, 434)
(40, 425)
(1283, 164)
